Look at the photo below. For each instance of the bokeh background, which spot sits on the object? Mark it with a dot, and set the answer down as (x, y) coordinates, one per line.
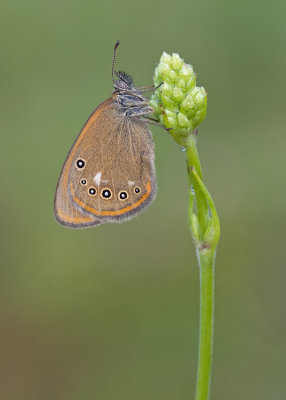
(112, 312)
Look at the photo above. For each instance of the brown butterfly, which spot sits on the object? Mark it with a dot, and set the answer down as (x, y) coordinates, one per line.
(109, 173)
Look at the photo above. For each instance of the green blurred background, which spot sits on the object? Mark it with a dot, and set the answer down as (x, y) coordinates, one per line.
(112, 312)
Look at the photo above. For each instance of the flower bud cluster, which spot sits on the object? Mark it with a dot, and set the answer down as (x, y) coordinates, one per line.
(178, 103)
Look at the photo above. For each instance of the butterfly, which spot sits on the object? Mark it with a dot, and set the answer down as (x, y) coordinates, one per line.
(109, 173)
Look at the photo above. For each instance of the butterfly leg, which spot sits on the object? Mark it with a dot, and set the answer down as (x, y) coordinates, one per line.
(149, 120)
(149, 88)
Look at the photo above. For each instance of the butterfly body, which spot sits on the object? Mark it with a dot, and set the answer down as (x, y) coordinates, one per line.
(109, 173)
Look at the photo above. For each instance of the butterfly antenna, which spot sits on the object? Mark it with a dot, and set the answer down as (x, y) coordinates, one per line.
(113, 60)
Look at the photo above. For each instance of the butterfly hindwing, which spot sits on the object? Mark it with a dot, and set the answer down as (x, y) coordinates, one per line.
(109, 174)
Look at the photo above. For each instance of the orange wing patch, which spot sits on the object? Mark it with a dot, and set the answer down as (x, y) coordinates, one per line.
(111, 212)
(73, 220)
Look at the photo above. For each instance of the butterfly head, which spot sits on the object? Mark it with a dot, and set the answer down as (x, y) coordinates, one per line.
(124, 82)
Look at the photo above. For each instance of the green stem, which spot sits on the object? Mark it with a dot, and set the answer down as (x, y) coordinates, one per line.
(206, 263)
(194, 161)
(205, 230)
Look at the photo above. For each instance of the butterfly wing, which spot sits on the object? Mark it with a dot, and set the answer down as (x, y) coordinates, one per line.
(65, 211)
(109, 174)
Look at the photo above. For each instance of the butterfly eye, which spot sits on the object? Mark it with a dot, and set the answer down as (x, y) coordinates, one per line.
(106, 193)
(83, 181)
(137, 190)
(80, 163)
(123, 195)
(92, 191)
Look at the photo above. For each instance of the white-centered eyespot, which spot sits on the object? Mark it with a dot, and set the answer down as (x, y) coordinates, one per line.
(80, 163)
(106, 193)
(123, 195)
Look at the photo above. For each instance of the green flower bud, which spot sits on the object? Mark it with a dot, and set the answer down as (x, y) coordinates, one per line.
(176, 62)
(182, 120)
(178, 95)
(166, 58)
(178, 103)
(171, 116)
(167, 89)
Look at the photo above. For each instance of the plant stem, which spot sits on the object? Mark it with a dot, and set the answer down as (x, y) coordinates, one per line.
(194, 161)
(205, 230)
(206, 262)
